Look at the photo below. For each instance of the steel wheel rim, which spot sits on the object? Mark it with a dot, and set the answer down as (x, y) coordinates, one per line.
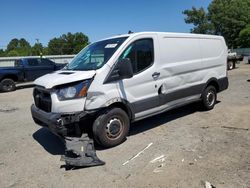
(114, 128)
(210, 98)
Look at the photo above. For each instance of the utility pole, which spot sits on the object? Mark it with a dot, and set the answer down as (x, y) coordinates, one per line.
(40, 52)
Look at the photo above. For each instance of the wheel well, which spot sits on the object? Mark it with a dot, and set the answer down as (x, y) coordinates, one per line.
(124, 107)
(215, 84)
(10, 76)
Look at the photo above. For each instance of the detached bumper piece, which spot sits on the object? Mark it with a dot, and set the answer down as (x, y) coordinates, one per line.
(80, 152)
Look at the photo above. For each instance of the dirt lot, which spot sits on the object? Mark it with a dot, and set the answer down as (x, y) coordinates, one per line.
(197, 146)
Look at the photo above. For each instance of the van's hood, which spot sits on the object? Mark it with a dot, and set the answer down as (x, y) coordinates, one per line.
(63, 77)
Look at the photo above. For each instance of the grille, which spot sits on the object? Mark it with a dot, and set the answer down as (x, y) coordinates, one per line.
(42, 99)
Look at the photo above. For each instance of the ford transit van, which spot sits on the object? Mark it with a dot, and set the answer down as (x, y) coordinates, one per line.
(126, 78)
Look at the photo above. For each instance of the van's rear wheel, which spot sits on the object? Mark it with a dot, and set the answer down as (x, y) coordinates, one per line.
(111, 127)
(209, 97)
(7, 85)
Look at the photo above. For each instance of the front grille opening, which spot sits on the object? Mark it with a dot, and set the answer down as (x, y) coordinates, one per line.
(42, 99)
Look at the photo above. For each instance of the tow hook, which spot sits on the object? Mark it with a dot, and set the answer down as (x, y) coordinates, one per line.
(80, 152)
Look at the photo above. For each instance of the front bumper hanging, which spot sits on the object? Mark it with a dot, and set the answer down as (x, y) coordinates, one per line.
(80, 152)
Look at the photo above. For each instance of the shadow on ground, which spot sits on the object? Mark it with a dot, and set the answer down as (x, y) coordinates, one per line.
(163, 118)
(55, 146)
(50, 142)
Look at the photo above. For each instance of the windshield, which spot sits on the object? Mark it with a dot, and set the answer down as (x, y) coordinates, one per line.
(95, 55)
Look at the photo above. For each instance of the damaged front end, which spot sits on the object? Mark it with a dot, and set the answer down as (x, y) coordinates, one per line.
(79, 148)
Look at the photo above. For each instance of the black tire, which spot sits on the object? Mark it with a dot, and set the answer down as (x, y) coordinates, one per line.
(209, 98)
(230, 65)
(234, 65)
(111, 127)
(7, 85)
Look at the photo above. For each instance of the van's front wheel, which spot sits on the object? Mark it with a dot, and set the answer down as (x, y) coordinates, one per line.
(209, 97)
(111, 127)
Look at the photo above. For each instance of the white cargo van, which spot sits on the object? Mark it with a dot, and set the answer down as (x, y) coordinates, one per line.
(126, 78)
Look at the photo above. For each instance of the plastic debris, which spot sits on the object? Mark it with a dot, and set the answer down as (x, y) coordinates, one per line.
(209, 185)
(158, 159)
(80, 152)
(158, 169)
(137, 155)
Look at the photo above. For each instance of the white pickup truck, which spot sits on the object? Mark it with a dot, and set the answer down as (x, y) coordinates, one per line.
(232, 59)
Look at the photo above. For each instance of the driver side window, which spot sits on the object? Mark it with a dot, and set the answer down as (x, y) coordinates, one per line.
(140, 53)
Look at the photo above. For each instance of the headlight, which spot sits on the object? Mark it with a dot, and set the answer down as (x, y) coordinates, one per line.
(73, 91)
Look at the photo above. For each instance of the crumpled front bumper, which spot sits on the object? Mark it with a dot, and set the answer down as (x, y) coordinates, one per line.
(58, 123)
(79, 151)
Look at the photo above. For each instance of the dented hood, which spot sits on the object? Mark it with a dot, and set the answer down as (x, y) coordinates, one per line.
(63, 77)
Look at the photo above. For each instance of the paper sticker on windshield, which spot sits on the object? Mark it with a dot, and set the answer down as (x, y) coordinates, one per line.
(110, 45)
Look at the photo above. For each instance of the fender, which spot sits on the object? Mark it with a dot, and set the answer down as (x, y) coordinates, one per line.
(220, 84)
(122, 103)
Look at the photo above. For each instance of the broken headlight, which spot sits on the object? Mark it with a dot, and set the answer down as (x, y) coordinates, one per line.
(73, 91)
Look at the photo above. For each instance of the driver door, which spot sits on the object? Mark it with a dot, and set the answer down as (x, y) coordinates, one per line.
(141, 91)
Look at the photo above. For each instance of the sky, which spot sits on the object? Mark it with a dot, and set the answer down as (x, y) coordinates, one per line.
(98, 19)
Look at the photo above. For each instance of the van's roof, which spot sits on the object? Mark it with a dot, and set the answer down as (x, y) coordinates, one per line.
(169, 34)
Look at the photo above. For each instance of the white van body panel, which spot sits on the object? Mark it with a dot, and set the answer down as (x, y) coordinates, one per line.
(101, 95)
(214, 54)
(63, 77)
(181, 62)
(186, 62)
(142, 86)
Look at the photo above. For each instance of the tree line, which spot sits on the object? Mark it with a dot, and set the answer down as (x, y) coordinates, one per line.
(65, 44)
(228, 18)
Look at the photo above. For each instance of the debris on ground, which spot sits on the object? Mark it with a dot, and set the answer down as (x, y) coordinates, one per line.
(209, 185)
(158, 159)
(158, 169)
(235, 128)
(137, 155)
(8, 109)
(80, 152)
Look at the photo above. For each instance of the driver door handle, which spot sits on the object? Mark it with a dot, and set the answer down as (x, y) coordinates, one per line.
(156, 75)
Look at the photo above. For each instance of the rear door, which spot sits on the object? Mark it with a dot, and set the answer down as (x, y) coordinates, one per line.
(141, 91)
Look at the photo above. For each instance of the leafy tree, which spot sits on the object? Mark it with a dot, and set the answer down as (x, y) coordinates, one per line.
(2, 53)
(18, 47)
(13, 44)
(13, 53)
(55, 46)
(24, 43)
(244, 37)
(46, 51)
(67, 44)
(224, 17)
(37, 49)
(229, 17)
(199, 18)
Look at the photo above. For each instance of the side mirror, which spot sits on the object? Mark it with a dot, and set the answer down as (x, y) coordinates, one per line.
(125, 68)
(122, 70)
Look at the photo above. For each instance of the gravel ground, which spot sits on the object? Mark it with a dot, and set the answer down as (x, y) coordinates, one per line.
(194, 146)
